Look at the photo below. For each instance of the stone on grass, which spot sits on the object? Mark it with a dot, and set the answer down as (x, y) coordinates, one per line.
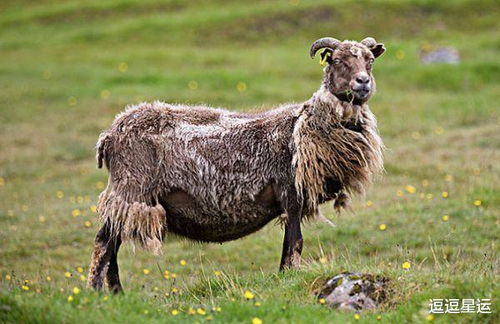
(446, 55)
(352, 291)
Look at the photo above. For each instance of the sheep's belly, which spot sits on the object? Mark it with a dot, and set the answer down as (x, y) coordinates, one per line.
(187, 218)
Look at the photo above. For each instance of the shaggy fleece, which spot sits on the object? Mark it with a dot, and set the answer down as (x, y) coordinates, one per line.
(324, 148)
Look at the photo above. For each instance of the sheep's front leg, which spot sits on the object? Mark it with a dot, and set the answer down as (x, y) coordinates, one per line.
(292, 244)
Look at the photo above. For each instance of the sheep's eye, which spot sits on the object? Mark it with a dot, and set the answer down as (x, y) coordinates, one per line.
(336, 61)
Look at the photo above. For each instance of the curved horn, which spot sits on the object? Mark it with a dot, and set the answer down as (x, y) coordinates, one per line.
(322, 43)
(369, 42)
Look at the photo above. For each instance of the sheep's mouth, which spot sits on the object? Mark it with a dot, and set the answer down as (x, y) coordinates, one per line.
(356, 97)
(361, 93)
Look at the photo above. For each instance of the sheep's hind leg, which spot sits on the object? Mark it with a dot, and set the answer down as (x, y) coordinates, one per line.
(104, 248)
(292, 244)
(112, 275)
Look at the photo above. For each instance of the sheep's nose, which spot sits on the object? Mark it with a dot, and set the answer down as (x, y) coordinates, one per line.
(362, 78)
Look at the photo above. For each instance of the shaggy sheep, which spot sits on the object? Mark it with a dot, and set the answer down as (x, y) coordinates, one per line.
(213, 176)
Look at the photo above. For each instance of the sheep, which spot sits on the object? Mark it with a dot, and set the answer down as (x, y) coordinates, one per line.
(212, 175)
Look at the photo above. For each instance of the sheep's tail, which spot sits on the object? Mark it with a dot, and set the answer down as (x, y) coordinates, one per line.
(131, 211)
(101, 146)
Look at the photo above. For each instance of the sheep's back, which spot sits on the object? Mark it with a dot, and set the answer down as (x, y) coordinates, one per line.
(218, 156)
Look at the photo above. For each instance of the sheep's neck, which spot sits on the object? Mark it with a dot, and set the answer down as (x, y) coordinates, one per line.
(334, 139)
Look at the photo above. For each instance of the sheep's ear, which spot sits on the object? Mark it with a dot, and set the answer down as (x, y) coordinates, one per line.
(326, 56)
(377, 49)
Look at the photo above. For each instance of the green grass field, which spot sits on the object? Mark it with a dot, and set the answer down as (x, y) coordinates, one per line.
(67, 67)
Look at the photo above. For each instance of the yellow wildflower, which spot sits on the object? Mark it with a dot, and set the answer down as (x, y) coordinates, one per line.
(41, 219)
(183, 262)
(257, 304)
(256, 320)
(146, 271)
(87, 224)
(83, 278)
(411, 189)
(248, 294)
(24, 287)
(70, 298)
(174, 312)
(322, 301)
(175, 290)
(105, 298)
(93, 208)
(323, 260)
(76, 290)
(446, 218)
(191, 311)
(430, 317)
(357, 316)
(399, 193)
(241, 86)
(428, 196)
(76, 212)
(105, 94)
(217, 273)
(400, 54)
(79, 269)
(48, 278)
(193, 85)
(477, 203)
(369, 203)
(72, 101)
(406, 265)
(382, 227)
(123, 67)
(99, 185)
(201, 311)
(8, 277)
(67, 274)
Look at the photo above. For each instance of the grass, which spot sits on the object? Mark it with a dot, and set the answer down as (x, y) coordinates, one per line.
(68, 67)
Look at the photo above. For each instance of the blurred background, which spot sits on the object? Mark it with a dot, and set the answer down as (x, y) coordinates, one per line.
(67, 67)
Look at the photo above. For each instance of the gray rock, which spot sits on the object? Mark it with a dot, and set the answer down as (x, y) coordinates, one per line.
(447, 55)
(352, 291)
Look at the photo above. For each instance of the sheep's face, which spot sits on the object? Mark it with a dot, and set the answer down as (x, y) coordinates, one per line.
(348, 74)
